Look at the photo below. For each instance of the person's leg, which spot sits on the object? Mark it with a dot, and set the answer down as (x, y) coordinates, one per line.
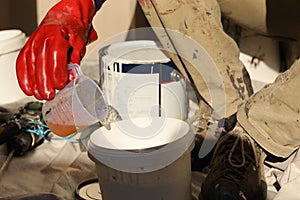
(201, 21)
(272, 116)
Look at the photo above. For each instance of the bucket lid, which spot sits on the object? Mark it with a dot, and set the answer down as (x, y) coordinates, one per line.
(140, 145)
(134, 52)
(11, 40)
(88, 190)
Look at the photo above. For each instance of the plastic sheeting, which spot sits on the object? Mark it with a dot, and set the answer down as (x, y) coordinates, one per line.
(55, 167)
(286, 175)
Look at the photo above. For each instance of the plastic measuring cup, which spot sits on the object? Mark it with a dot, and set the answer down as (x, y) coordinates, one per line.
(80, 104)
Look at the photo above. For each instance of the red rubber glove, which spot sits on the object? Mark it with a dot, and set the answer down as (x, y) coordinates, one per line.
(61, 38)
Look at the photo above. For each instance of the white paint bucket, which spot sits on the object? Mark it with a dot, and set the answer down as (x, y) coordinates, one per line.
(11, 41)
(139, 80)
(143, 159)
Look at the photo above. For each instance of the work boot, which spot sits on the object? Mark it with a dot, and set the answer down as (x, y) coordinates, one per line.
(236, 170)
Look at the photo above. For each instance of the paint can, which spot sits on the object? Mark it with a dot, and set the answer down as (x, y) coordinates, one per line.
(139, 80)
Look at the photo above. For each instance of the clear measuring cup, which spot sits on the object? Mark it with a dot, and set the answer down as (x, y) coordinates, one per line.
(80, 104)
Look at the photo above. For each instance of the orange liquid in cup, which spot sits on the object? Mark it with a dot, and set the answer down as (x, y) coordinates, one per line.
(63, 130)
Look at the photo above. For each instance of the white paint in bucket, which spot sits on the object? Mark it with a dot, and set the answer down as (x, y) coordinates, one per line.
(171, 138)
(11, 41)
(133, 165)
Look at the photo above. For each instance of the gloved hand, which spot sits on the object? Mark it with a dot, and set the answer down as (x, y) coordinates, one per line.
(61, 38)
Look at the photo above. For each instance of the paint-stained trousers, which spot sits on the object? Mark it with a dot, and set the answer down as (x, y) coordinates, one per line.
(272, 115)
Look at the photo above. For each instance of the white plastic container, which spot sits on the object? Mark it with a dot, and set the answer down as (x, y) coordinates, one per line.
(143, 159)
(11, 41)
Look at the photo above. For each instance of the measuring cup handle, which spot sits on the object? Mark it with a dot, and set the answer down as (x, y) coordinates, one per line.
(76, 69)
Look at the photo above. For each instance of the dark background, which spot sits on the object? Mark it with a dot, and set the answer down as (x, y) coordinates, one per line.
(18, 14)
